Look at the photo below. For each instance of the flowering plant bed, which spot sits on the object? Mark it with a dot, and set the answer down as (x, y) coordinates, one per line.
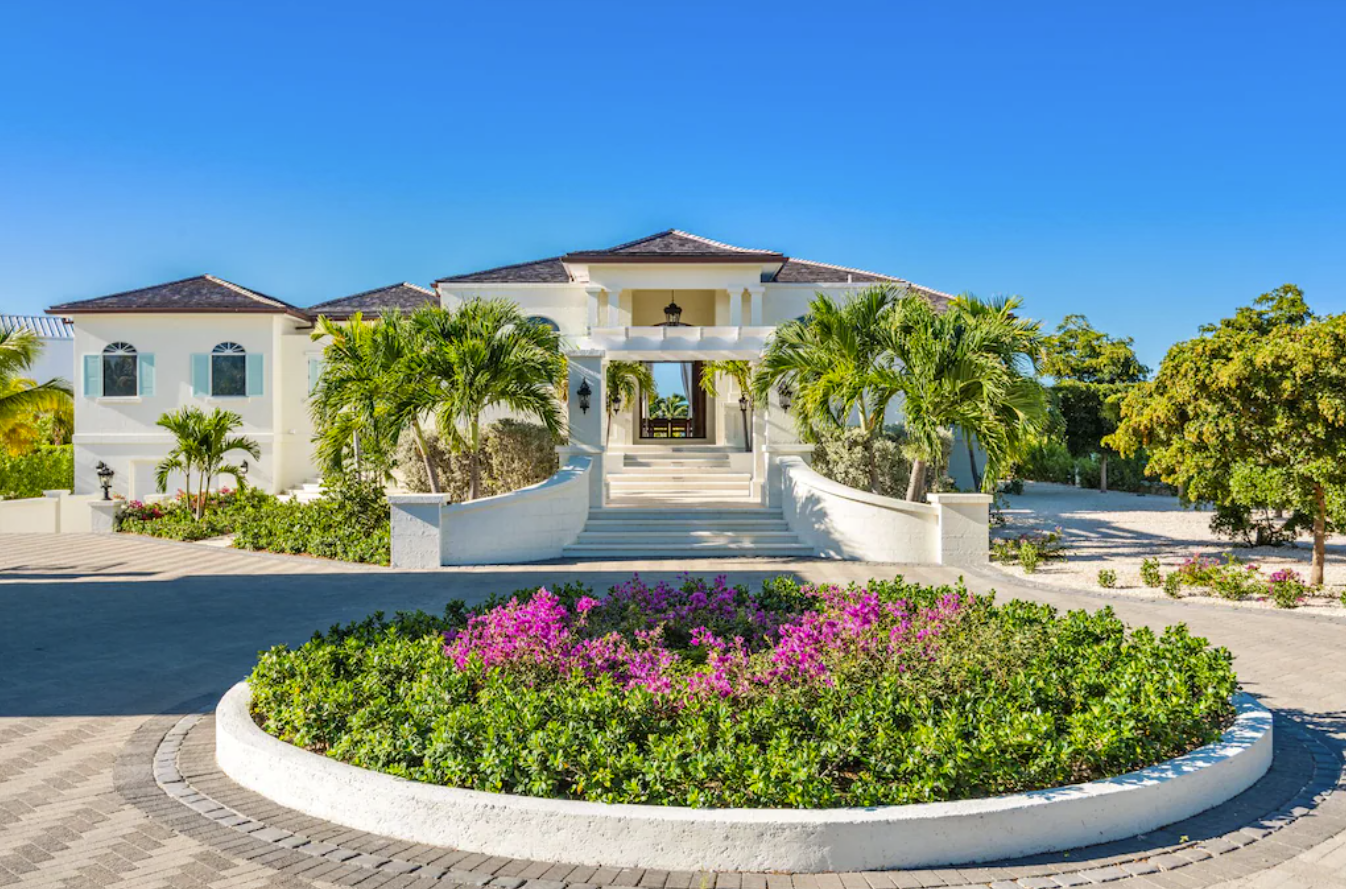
(701, 694)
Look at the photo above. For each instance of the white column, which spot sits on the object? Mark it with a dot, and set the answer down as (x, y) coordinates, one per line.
(592, 292)
(613, 301)
(755, 295)
(735, 307)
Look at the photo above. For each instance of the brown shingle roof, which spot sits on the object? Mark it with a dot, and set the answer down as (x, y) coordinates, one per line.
(371, 303)
(204, 293)
(674, 243)
(802, 271)
(541, 271)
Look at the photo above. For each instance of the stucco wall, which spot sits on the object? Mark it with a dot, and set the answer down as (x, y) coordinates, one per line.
(122, 431)
(527, 525)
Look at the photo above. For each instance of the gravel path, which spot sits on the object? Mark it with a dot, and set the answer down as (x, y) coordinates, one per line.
(1117, 530)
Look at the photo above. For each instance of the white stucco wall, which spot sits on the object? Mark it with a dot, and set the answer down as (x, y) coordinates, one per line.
(122, 431)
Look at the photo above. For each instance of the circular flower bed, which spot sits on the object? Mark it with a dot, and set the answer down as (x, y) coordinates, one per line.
(701, 694)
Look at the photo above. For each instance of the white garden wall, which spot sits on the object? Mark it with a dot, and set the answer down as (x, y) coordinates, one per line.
(799, 840)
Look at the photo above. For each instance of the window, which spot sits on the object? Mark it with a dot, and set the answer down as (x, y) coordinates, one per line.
(119, 371)
(228, 370)
(545, 322)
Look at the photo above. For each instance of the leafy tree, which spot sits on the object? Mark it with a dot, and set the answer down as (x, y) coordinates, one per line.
(22, 400)
(486, 354)
(371, 391)
(741, 373)
(1252, 412)
(671, 407)
(1093, 372)
(624, 381)
(201, 443)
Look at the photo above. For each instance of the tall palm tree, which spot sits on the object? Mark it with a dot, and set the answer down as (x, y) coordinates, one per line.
(673, 406)
(741, 373)
(482, 355)
(624, 381)
(202, 442)
(838, 364)
(370, 392)
(21, 398)
(965, 367)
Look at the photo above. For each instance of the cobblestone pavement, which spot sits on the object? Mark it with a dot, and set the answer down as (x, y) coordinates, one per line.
(109, 645)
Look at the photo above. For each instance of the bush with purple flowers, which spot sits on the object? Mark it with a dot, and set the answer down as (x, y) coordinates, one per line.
(704, 694)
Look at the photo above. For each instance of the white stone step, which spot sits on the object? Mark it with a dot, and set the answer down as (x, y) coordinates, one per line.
(680, 526)
(680, 537)
(632, 513)
(689, 484)
(694, 551)
(677, 468)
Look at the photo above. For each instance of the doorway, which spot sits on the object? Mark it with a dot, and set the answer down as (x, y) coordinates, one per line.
(678, 408)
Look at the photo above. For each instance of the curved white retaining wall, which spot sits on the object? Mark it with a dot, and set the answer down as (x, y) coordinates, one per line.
(800, 840)
(526, 525)
(842, 522)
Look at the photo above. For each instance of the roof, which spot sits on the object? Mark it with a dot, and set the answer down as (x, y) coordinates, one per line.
(45, 326)
(203, 293)
(674, 245)
(403, 297)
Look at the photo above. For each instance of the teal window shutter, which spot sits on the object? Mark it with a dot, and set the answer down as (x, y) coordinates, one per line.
(93, 376)
(200, 375)
(145, 369)
(314, 373)
(255, 386)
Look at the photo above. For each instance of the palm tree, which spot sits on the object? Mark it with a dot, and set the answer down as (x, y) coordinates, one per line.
(369, 393)
(838, 363)
(482, 355)
(202, 442)
(741, 373)
(22, 399)
(671, 407)
(623, 382)
(964, 367)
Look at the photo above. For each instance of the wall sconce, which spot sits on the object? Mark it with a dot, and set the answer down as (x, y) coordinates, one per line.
(105, 475)
(616, 402)
(584, 392)
(786, 396)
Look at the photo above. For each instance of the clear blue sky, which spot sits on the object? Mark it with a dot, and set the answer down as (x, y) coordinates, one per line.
(1149, 164)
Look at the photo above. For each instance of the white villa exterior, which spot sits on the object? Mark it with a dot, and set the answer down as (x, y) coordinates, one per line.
(670, 297)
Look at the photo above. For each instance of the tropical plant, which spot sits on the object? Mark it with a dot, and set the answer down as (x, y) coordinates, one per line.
(486, 354)
(624, 382)
(23, 400)
(741, 373)
(673, 406)
(1107, 578)
(1252, 412)
(838, 365)
(371, 390)
(201, 443)
(1150, 575)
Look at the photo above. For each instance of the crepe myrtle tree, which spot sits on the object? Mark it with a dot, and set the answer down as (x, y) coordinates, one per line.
(1251, 413)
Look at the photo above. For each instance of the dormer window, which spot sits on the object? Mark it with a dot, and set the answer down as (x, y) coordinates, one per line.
(228, 371)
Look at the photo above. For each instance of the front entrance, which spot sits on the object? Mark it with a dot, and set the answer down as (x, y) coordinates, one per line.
(678, 408)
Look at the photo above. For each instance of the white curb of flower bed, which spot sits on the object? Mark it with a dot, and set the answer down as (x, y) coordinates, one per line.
(799, 840)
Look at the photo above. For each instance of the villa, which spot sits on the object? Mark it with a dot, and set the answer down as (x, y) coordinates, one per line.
(672, 299)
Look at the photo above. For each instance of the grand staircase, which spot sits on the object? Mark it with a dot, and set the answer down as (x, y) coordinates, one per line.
(683, 501)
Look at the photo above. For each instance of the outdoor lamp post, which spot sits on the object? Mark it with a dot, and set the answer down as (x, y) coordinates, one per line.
(747, 436)
(584, 392)
(105, 475)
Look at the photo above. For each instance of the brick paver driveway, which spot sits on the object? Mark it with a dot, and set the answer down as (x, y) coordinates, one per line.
(107, 643)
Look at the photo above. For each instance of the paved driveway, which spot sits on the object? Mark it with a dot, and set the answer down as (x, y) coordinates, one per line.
(99, 634)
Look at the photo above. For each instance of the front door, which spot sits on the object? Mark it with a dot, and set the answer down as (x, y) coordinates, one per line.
(678, 410)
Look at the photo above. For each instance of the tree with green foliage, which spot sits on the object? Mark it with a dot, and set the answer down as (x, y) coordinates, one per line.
(740, 372)
(673, 406)
(201, 442)
(369, 393)
(1093, 372)
(22, 400)
(966, 365)
(624, 383)
(486, 354)
(1252, 412)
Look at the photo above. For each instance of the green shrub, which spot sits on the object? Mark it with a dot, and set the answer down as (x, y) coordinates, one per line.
(174, 519)
(1107, 578)
(1173, 585)
(1248, 527)
(1014, 697)
(348, 523)
(515, 455)
(1286, 588)
(1150, 574)
(1029, 557)
(1045, 546)
(1236, 582)
(47, 468)
(1048, 461)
